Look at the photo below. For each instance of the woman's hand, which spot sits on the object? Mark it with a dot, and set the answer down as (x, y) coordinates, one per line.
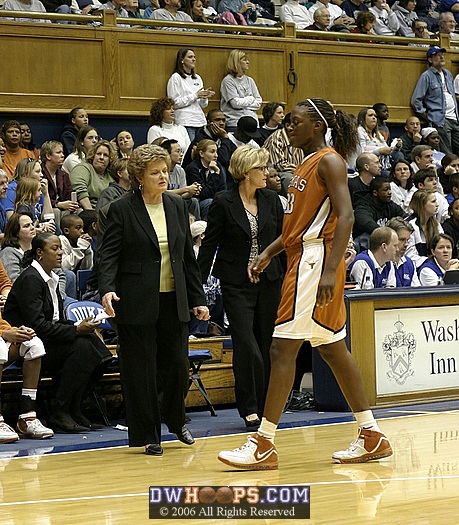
(257, 266)
(385, 150)
(205, 93)
(87, 326)
(18, 335)
(201, 313)
(214, 166)
(107, 303)
(453, 264)
(245, 7)
(44, 185)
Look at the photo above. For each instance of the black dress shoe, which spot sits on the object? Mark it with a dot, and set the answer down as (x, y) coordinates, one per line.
(155, 449)
(84, 421)
(66, 425)
(185, 436)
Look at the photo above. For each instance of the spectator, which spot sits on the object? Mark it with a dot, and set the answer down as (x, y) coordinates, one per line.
(368, 167)
(412, 136)
(401, 184)
(169, 10)
(375, 210)
(449, 166)
(59, 185)
(425, 225)
(209, 11)
(90, 178)
(283, 157)
(246, 9)
(31, 6)
(3, 188)
(449, 6)
(215, 130)
(353, 8)
(120, 185)
(321, 19)
(239, 93)
(404, 9)
(382, 113)
(186, 89)
(294, 12)
(447, 26)
(436, 106)
(28, 194)
(27, 140)
(420, 30)
(365, 23)
(273, 115)
(373, 268)
(162, 123)
(422, 158)
(433, 270)
(78, 118)
(207, 172)
(87, 137)
(427, 179)
(177, 179)
(132, 8)
(371, 141)
(76, 245)
(338, 18)
(405, 269)
(119, 7)
(431, 137)
(246, 133)
(274, 183)
(195, 8)
(451, 225)
(386, 23)
(454, 184)
(11, 135)
(124, 143)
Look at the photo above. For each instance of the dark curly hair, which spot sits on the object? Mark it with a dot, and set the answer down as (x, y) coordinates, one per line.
(157, 109)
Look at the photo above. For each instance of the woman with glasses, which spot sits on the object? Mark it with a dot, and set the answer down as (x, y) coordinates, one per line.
(241, 223)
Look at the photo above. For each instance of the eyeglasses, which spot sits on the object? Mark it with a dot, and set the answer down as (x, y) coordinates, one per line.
(261, 168)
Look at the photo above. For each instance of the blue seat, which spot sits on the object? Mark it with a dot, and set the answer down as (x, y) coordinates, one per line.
(82, 277)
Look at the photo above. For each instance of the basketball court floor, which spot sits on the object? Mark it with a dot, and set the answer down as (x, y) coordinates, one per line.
(85, 479)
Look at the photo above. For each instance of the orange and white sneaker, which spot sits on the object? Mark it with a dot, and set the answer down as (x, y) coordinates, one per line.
(258, 453)
(370, 445)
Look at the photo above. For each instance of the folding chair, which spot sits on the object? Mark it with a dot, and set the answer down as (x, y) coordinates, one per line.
(196, 359)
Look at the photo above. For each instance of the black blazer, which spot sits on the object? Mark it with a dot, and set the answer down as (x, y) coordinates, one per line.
(228, 230)
(29, 303)
(130, 260)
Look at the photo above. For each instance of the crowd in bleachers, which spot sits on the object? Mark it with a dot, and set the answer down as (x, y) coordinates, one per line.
(406, 18)
(404, 191)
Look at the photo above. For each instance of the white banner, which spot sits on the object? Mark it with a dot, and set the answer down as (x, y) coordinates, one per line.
(416, 349)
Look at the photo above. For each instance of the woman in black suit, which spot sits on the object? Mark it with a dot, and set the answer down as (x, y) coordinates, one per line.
(149, 277)
(241, 223)
(75, 356)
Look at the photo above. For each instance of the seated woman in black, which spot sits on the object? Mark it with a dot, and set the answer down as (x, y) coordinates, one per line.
(75, 356)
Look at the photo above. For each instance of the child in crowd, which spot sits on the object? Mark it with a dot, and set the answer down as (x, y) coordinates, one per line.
(28, 194)
(76, 244)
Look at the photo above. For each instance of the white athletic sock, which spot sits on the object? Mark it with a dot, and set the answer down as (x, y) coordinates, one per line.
(366, 420)
(30, 392)
(267, 429)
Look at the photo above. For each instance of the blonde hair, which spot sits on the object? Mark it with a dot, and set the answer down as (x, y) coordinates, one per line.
(141, 157)
(246, 158)
(24, 168)
(233, 64)
(25, 192)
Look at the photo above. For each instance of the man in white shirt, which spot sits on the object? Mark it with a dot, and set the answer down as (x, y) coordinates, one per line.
(337, 16)
(294, 12)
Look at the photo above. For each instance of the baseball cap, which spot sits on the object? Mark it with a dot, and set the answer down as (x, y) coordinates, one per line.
(249, 126)
(433, 50)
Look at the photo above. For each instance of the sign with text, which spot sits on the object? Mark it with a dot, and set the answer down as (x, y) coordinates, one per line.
(416, 349)
(198, 502)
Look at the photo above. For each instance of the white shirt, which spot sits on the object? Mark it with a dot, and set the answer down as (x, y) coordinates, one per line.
(293, 11)
(52, 281)
(170, 131)
(428, 277)
(188, 107)
(239, 143)
(334, 10)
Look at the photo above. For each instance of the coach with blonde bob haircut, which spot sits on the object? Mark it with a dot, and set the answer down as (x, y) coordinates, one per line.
(240, 224)
(150, 279)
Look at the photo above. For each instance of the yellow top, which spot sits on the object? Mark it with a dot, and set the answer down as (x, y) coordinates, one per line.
(158, 220)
